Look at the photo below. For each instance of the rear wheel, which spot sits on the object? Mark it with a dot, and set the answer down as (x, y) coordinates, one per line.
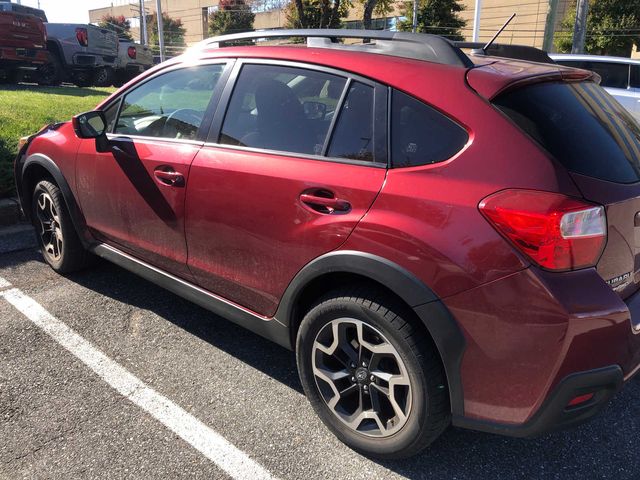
(56, 235)
(103, 77)
(82, 78)
(50, 73)
(373, 377)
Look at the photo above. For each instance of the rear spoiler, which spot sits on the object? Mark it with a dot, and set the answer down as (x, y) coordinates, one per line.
(517, 52)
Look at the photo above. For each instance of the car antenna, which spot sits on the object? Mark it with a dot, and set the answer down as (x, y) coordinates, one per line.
(506, 24)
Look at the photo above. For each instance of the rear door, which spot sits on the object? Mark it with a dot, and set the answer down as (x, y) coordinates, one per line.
(289, 169)
(133, 196)
(598, 141)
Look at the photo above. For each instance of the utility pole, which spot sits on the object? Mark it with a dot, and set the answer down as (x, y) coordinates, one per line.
(550, 25)
(580, 29)
(476, 21)
(143, 23)
(415, 16)
(160, 29)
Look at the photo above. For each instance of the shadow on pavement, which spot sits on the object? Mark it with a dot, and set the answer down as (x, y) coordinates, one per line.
(605, 448)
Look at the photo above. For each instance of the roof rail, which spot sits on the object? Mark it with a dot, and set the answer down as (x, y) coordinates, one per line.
(419, 46)
(517, 52)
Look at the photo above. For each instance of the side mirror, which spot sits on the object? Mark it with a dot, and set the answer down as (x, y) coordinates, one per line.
(90, 124)
(314, 110)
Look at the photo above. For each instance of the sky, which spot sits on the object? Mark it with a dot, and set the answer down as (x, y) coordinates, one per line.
(67, 11)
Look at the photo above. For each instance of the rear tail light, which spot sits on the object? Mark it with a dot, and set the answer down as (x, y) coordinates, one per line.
(555, 231)
(82, 36)
(131, 51)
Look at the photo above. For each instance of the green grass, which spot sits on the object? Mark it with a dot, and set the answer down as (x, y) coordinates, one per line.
(24, 109)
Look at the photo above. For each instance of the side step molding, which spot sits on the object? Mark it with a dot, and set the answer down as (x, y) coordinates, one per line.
(268, 328)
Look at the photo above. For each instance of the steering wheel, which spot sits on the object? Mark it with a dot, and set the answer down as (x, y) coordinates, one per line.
(182, 123)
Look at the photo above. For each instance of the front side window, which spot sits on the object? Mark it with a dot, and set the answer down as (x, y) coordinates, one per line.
(420, 135)
(281, 108)
(171, 105)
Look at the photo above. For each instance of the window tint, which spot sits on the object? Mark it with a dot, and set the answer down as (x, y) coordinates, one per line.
(635, 76)
(353, 135)
(421, 135)
(581, 125)
(614, 75)
(281, 108)
(171, 105)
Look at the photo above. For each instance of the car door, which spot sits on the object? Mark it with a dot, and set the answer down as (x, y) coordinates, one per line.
(133, 196)
(634, 85)
(290, 167)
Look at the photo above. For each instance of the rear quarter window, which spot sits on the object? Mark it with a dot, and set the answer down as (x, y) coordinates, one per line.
(420, 135)
(580, 125)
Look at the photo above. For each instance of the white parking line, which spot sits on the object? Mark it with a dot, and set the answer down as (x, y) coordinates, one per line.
(204, 439)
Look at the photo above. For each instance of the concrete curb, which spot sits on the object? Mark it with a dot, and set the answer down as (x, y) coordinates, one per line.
(10, 212)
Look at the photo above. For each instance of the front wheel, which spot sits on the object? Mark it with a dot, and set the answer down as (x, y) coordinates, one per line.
(60, 245)
(372, 375)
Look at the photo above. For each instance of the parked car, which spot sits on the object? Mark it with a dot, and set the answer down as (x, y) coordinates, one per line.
(133, 59)
(83, 54)
(620, 76)
(22, 42)
(441, 238)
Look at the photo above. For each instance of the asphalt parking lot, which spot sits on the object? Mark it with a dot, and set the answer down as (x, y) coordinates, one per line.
(59, 419)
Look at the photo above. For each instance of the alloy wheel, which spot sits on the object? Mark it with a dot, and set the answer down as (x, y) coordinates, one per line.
(50, 229)
(361, 377)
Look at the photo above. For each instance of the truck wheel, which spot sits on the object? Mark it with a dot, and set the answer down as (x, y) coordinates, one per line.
(82, 78)
(50, 73)
(103, 77)
(372, 373)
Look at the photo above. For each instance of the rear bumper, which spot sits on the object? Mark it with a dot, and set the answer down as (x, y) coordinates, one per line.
(534, 337)
(555, 413)
(22, 57)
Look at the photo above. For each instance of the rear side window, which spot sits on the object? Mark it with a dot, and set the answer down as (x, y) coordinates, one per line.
(581, 125)
(613, 75)
(281, 108)
(420, 135)
(353, 136)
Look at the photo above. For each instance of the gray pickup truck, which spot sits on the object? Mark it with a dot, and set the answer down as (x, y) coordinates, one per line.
(82, 54)
(133, 59)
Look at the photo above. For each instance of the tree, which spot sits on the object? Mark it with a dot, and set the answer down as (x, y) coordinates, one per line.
(439, 17)
(379, 7)
(613, 27)
(173, 34)
(117, 24)
(316, 13)
(232, 16)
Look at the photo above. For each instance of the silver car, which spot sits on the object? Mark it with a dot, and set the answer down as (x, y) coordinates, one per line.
(620, 76)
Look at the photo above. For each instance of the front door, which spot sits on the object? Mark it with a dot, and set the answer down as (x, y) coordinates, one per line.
(134, 195)
(294, 167)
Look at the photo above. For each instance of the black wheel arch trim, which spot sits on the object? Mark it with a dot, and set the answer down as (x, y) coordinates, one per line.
(425, 303)
(77, 217)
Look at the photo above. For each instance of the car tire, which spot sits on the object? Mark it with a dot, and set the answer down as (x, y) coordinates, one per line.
(58, 240)
(103, 77)
(82, 78)
(332, 352)
(50, 74)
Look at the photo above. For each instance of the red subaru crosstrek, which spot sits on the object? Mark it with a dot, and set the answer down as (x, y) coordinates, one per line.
(442, 238)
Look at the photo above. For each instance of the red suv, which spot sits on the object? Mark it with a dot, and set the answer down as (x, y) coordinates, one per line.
(442, 238)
